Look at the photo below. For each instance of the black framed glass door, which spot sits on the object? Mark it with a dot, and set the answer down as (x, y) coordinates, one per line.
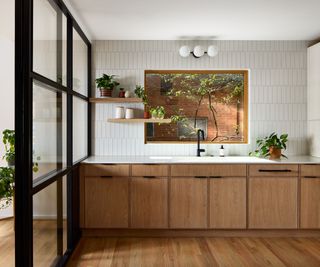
(52, 122)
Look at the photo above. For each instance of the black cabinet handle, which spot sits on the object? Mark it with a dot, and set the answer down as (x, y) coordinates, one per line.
(286, 170)
(201, 177)
(310, 177)
(106, 176)
(149, 177)
(215, 177)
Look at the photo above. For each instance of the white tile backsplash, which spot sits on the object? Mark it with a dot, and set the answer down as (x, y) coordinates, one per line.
(278, 90)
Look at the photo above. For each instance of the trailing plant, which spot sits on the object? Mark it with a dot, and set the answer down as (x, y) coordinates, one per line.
(6, 186)
(140, 92)
(158, 112)
(107, 81)
(264, 145)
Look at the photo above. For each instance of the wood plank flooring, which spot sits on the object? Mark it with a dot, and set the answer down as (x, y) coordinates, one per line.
(194, 252)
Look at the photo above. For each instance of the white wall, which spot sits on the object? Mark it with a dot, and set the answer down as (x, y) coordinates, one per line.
(6, 76)
(278, 90)
(313, 100)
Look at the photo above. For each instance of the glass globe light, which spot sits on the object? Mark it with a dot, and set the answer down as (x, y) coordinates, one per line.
(212, 51)
(198, 51)
(184, 51)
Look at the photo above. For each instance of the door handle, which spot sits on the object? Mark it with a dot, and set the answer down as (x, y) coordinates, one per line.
(286, 170)
(149, 177)
(201, 177)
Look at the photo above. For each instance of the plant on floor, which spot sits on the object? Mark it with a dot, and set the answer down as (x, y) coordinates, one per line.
(6, 186)
(271, 146)
(106, 84)
(7, 174)
(8, 141)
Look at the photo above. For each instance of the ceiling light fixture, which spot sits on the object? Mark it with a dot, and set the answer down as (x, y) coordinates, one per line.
(198, 51)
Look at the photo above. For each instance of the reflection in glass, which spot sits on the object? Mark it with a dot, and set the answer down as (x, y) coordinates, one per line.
(49, 41)
(45, 226)
(80, 128)
(80, 65)
(49, 224)
(49, 129)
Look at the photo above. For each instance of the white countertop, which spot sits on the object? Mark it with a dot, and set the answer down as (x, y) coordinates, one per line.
(198, 160)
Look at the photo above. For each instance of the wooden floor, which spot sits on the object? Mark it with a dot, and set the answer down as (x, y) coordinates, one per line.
(184, 252)
(44, 242)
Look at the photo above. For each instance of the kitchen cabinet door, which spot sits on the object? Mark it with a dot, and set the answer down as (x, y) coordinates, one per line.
(273, 202)
(106, 202)
(228, 209)
(310, 203)
(188, 203)
(149, 202)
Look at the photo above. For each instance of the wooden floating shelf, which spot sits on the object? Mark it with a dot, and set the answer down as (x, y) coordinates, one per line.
(115, 100)
(140, 120)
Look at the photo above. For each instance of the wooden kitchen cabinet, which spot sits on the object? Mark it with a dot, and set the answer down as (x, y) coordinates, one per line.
(188, 203)
(273, 202)
(149, 202)
(310, 202)
(106, 201)
(228, 208)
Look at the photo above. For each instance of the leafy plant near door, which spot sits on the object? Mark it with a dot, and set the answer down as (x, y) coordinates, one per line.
(271, 146)
(7, 174)
(106, 84)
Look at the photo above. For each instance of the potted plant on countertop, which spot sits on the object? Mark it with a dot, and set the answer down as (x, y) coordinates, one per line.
(158, 112)
(140, 92)
(271, 146)
(106, 84)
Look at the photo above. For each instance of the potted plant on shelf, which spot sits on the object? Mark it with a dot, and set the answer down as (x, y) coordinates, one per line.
(271, 146)
(140, 92)
(106, 84)
(158, 112)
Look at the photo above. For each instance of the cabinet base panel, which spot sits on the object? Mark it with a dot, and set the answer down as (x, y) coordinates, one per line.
(197, 233)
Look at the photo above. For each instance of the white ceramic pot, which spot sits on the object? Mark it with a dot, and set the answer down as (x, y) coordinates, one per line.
(119, 113)
(127, 94)
(129, 113)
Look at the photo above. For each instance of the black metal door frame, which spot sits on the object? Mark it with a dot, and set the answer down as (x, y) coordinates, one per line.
(25, 188)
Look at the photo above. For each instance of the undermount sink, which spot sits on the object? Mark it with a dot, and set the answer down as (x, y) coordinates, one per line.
(209, 159)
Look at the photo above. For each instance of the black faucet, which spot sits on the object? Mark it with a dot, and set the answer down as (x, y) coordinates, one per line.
(199, 150)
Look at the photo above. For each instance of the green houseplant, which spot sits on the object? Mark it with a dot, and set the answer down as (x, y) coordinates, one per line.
(106, 84)
(271, 146)
(158, 112)
(140, 92)
(8, 141)
(7, 174)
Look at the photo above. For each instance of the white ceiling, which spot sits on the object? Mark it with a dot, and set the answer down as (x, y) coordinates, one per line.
(200, 19)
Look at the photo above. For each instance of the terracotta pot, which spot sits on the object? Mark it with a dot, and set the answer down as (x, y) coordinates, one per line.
(275, 153)
(146, 115)
(106, 92)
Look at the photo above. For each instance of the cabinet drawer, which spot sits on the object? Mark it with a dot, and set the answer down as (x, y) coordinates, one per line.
(279, 170)
(310, 170)
(106, 170)
(208, 170)
(150, 170)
